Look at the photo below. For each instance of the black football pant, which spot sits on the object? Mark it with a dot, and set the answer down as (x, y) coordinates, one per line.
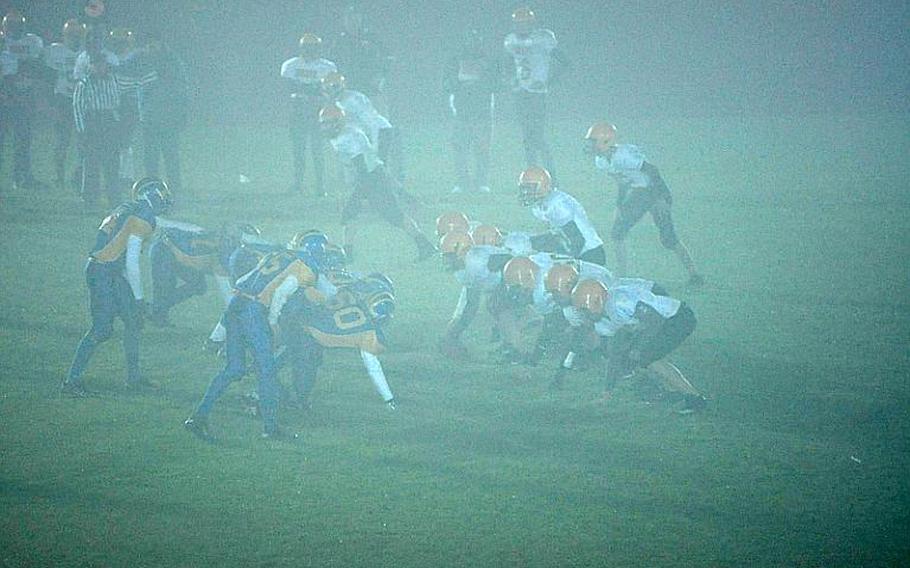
(101, 157)
(305, 132)
(162, 143)
(16, 115)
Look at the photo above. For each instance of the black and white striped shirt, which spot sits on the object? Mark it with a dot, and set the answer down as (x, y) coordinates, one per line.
(93, 95)
(97, 94)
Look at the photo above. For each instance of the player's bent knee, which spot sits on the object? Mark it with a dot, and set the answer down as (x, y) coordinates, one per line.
(100, 334)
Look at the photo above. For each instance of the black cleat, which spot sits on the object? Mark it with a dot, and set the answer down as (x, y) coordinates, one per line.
(199, 427)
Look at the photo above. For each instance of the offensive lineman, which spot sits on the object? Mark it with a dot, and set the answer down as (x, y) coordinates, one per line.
(641, 190)
(251, 320)
(303, 76)
(572, 232)
(365, 172)
(536, 62)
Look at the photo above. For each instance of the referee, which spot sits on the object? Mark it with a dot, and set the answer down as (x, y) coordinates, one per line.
(96, 106)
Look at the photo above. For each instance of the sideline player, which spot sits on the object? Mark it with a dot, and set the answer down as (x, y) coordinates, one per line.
(536, 63)
(366, 174)
(572, 232)
(641, 190)
(303, 76)
(20, 70)
(61, 58)
(114, 280)
(471, 81)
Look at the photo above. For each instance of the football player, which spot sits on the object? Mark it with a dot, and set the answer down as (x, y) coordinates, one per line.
(641, 190)
(353, 317)
(251, 320)
(642, 327)
(61, 58)
(471, 81)
(188, 254)
(478, 268)
(303, 76)
(20, 69)
(360, 113)
(571, 231)
(114, 279)
(536, 63)
(365, 172)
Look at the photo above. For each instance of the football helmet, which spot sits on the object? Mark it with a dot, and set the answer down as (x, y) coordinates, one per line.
(311, 244)
(600, 137)
(454, 247)
(333, 83)
(331, 119)
(488, 235)
(73, 32)
(533, 185)
(13, 24)
(451, 221)
(335, 257)
(520, 272)
(309, 45)
(120, 40)
(155, 192)
(524, 15)
(590, 296)
(560, 280)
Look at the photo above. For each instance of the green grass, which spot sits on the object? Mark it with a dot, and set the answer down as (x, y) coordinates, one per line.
(802, 347)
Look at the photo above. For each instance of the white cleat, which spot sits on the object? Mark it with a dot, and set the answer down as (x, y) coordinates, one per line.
(484, 189)
(457, 189)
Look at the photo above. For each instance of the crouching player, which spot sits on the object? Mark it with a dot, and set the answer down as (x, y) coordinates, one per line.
(641, 190)
(367, 175)
(115, 282)
(571, 232)
(250, 321)
(353, 317)
(478, 268)
(637, 330)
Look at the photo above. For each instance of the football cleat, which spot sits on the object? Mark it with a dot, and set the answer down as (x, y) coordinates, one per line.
(560, 280)
(73, 389)
(488, 235)
(155, 192)
(534, 184)
(590, 296)
(391, 404)
(452, 221)
(601, 136)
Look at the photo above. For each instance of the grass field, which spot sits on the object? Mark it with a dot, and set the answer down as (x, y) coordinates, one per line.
(801, 226)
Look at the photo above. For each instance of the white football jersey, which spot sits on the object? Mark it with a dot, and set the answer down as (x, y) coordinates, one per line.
(532, 55)
(624, 165)
(80, 69)
(18, 51)
(350, 143)
(360, 112)
(620, 309)
(476, 272)
(61, 59)
(558, 209)
(308, 72)
(542, 300)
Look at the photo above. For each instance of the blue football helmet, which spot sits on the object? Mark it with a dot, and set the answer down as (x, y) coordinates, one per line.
(311, 245)
(155, 192)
